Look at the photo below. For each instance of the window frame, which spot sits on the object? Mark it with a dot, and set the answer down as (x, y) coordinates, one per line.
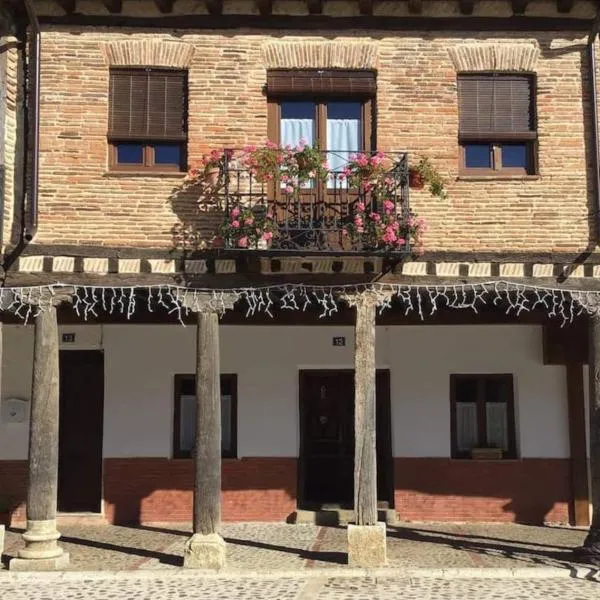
(530, 140)
(148, 163)
(179, 381)
(481, 378)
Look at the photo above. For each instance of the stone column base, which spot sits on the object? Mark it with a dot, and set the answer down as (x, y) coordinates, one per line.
(367, 545)
(58, 563)
(204, 552)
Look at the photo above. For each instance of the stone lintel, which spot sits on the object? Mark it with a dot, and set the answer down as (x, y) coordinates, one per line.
(367, 545)
(204, 552)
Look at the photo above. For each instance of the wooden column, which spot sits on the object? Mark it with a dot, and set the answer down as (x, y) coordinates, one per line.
(365, 454)
(206, 548)
(591, 546)
(577, 444)
(207, 490)
(367, 537)
(42, 551)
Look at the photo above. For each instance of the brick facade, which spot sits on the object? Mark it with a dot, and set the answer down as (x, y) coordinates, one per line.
(529, 490)
(265, 489)
(82, 203)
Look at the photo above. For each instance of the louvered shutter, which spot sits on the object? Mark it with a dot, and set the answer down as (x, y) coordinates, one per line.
(147, 104)
(496, 107)
(321, 82)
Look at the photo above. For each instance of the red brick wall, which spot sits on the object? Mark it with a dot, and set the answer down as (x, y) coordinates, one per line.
(160, 489)
(439, 489)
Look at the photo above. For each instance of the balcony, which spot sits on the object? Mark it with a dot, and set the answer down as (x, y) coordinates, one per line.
(275, 200)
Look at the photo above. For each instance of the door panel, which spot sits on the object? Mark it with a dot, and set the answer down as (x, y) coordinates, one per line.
(327, 438)
(80, 431)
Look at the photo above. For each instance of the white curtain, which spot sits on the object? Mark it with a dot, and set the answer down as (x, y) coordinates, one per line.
(293, 130)
(496, 425)
(466, 426)
(187, 422)
(343, 139)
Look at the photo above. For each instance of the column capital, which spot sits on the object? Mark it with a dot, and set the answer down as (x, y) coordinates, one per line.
(208, 302)
(368, 297)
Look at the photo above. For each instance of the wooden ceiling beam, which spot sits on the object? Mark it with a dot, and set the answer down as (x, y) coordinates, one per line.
(315, 7)
(214, 7)
(466, 6)
(67, 5)
(519, 6)
(113, 6)
(564, 6)
(265, 7)
(164, 6)
(365, 7)
(415, 7)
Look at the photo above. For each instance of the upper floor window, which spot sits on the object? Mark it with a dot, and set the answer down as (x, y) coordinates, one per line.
(331, 109)
(482, 415)
(147, 119)
(497, 128)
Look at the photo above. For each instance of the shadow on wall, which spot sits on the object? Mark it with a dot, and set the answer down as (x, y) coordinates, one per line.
(531, 491)
(139, 490)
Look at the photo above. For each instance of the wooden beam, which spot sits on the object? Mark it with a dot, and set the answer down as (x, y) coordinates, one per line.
(365, 7)
(113, 6)
(564, 6)
(265, 7)
(67, 5)
(315, 7)
(164, 6)
(519, 6)
(466, 6)
(415, 7)
(214, 7)
(312, 22)
(577, 443)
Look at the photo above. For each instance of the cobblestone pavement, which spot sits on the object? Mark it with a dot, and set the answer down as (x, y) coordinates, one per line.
(169, 586)
(282, 547)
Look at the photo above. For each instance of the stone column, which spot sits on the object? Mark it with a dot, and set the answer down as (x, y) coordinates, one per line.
(367, 537)
(42, 551)
(206, 548)
(591, 545)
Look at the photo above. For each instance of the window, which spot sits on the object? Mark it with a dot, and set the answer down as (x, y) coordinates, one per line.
(497, 128)
(147, 119)
(184, 430)
(482, 414)
(330, 108)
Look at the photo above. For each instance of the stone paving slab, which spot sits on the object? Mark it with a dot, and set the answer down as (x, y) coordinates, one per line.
(280, 547)
(168, 585)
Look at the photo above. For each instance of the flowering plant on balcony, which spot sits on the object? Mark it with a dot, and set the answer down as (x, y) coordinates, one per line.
(369, 172)
(294, 167)
(208, 168)
(247, 228)
(385, 229)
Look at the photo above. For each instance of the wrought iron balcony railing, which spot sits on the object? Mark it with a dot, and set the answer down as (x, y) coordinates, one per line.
(336, 213)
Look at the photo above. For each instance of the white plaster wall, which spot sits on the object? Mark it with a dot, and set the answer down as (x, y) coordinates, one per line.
(140, 362)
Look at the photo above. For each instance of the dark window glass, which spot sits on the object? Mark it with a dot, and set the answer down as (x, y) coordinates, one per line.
(344, 109)
(478, 156)
(514, 155)
(167, 154)
(130, 154)
(297, 109)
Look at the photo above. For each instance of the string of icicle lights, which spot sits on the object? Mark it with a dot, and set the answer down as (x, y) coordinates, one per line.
(424, 300)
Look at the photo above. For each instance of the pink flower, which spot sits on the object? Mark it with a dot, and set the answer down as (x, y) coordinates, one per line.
(360, 206)
(249, 221)
(288, 189)
(400, 242)
(235, 223)
(311, 174)
(235, 212)
(243, 242)
(284, 178)
(358, 220)
(388, 206)
(375, 216)
(267, 235)
(344, 232)
(360, 229)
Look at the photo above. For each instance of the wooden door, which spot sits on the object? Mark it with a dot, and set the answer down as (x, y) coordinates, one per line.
(80, 431)
(326, 468)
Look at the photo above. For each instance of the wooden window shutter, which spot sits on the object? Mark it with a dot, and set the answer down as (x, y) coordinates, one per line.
(147, 104)
(285, 82)
(496, 107)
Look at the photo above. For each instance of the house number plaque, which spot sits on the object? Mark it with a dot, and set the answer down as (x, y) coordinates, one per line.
(339, 341)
